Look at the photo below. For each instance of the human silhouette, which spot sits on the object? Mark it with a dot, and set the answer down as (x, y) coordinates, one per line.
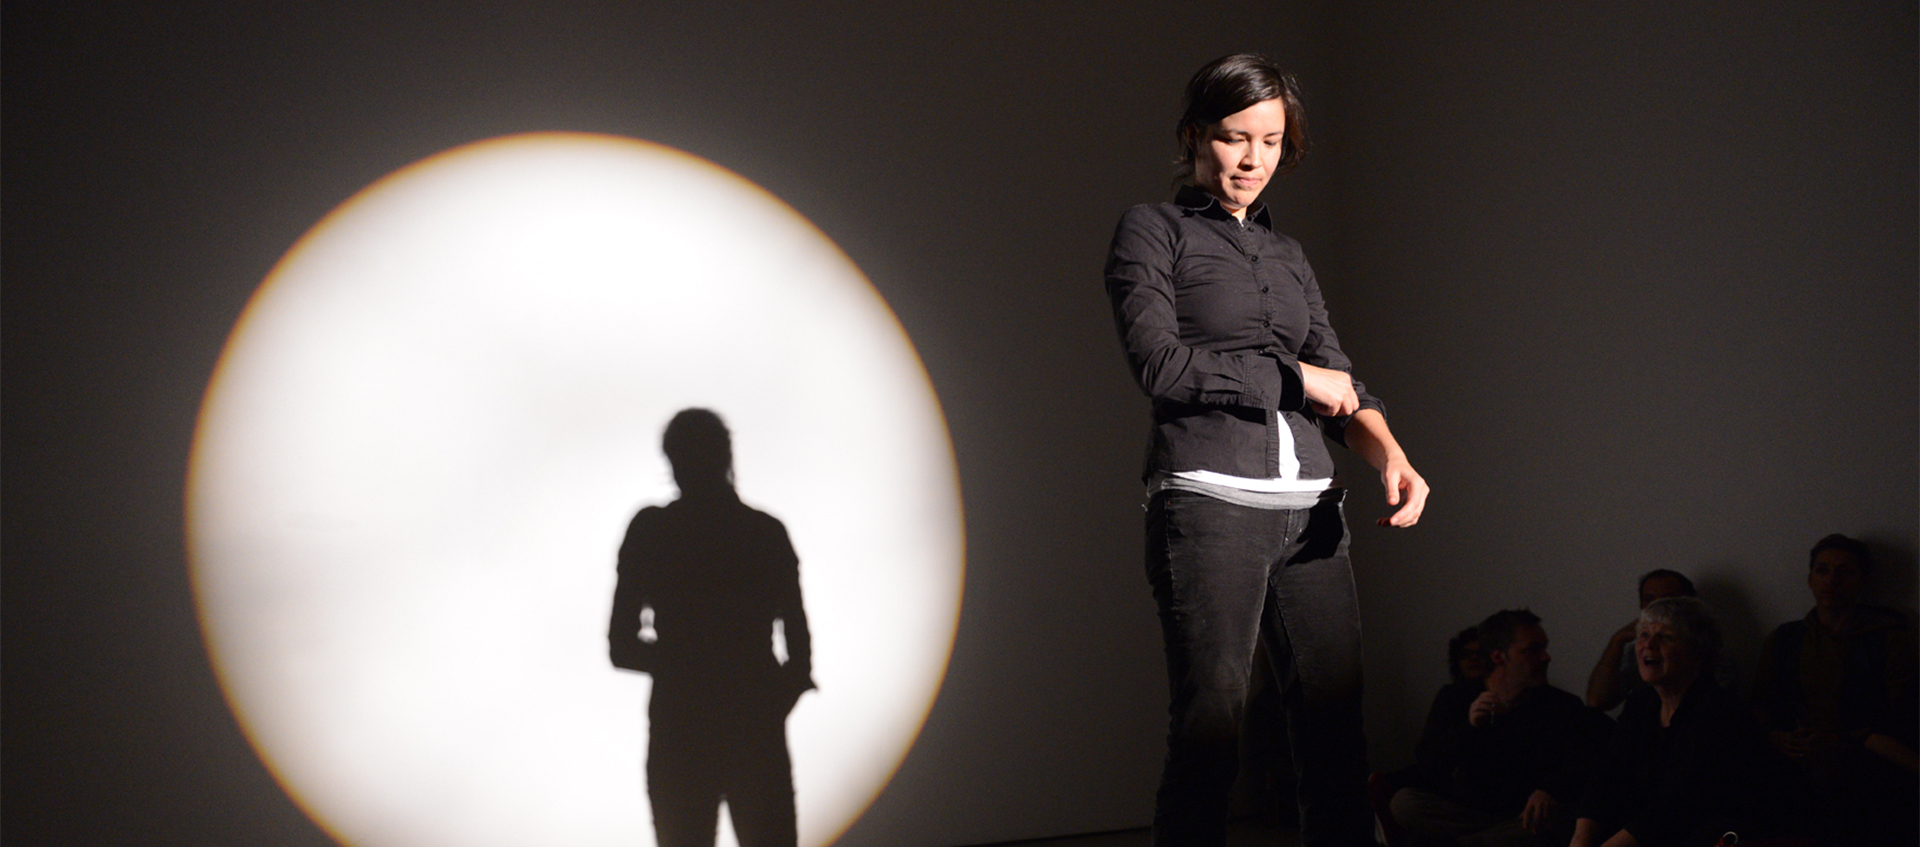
(705, 584)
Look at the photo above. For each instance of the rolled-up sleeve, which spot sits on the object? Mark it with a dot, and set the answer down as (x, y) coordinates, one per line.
(1321, 348)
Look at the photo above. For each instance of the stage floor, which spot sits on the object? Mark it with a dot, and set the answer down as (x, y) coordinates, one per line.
(1241, 833)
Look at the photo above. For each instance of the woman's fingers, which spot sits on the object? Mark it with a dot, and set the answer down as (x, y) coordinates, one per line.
(1406, 489)
(1330, 391)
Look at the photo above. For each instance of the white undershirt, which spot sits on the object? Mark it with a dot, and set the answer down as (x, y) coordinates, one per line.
(1283, 491)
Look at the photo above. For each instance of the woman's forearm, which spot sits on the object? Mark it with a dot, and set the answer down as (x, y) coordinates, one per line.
(1368, 436)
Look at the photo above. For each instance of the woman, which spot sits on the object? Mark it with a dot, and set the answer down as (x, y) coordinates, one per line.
(1684, 766)
(1223, 325)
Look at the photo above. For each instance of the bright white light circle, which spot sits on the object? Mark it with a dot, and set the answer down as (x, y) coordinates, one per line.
(426, 437)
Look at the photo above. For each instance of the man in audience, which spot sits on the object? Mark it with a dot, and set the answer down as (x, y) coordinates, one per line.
(1615, 676)
(1836, 693)
(1499, 758)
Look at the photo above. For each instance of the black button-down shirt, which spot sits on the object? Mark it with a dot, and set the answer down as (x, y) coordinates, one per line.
(1215, 316)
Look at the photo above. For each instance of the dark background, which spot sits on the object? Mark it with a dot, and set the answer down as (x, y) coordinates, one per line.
(1637, 281)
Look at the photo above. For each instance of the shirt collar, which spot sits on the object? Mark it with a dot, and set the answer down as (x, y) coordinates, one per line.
(1196, 198)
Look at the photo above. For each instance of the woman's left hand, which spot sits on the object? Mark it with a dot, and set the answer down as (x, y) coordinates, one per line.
(1368, 435)
(1406, 489)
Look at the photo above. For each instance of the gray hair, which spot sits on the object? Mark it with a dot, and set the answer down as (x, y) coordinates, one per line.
(1691, 620)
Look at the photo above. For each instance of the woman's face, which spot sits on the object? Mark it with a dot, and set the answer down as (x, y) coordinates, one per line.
(1473, 662)
(1234, 158)
(1666, 660)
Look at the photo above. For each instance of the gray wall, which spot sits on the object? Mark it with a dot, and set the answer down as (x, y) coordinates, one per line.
(1638, 285)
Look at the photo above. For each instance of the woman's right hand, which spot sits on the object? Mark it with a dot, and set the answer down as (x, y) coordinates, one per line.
(1330, 391)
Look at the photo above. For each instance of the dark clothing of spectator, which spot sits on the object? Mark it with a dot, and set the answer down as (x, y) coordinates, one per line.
(1547, 741)
(1852, 683)
(1686, 783)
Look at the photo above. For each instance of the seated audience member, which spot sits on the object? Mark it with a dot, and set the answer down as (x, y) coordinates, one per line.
(1616, 674)
(1835, 693)
(1684, 766)
(1499, 759)
(1465, 659)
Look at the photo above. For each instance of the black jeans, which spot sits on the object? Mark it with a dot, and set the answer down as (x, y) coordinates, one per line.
(1225, 575)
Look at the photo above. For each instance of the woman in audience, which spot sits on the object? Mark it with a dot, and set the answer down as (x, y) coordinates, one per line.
(1685, 765)
(1465, 659)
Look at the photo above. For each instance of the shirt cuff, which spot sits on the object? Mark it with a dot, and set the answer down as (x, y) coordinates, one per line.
(1282, 382)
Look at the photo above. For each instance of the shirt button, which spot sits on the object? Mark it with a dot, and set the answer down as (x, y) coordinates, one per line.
(1254, 258)
(1263, 289)
(1265, 322)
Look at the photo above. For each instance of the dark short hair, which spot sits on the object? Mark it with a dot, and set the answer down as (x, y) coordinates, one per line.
(1844, 544)
(1686, 585)
(1228, 85)
(1692, 621)
(1497, 631)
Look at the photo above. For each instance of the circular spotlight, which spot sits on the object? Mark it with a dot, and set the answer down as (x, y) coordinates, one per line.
(419, 455)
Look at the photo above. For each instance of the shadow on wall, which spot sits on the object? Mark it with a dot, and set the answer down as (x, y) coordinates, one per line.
(1742, 627)
(708, 603)
(1895, 581)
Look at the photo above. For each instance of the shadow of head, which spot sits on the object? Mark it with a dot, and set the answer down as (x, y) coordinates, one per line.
(700, 449)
